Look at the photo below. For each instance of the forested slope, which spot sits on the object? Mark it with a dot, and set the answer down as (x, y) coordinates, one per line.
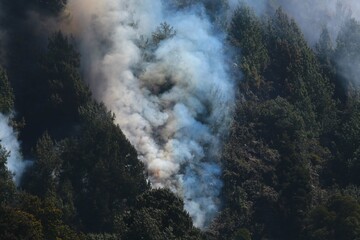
(290, 162)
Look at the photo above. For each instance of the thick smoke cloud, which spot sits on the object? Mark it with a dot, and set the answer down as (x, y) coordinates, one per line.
(8, 140)
(172, 97)
(312, 16)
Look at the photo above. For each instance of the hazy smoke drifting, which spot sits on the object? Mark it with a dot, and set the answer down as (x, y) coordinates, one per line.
(311, 15)
(8, 140)
(172, 98)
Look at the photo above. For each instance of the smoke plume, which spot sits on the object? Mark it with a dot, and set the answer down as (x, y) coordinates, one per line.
(162, 71)
(8, 140)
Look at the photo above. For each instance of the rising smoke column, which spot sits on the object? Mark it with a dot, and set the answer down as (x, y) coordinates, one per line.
(8, 140)
(172, 98)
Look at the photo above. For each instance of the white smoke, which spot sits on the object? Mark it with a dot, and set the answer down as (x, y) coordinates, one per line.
(173, 100)
(8, 140)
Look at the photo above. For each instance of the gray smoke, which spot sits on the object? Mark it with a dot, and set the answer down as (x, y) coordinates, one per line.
(313, 16)
(168, 86)
(8, 140)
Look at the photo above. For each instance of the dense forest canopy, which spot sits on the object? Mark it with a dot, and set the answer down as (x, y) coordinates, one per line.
(125, 124)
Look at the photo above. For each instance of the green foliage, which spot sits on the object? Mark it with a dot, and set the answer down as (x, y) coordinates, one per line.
(104, 236)
(6, 93)
(45, 171)
(17, 225)
(65, 88)
(102, 167)
(164, 31)
(52, 6)
(247, 34)
(7, 186)
(346, 164)
(276, 154)
(349, 138)
(48, 213)
(279, 122)
(86, 181)
(324, 51)
(56, 94)
(294, 140)
(338, 219)
(92, 176)
(347, 55)
(296, 74)
(242, 234)
(148, 46)
(160, 215)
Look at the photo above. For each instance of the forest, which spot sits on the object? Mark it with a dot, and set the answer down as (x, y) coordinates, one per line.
(287, 140)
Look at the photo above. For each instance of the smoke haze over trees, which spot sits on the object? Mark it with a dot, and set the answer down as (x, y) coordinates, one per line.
(181, 119)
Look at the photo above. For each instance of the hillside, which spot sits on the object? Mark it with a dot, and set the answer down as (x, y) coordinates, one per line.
(179, 120)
